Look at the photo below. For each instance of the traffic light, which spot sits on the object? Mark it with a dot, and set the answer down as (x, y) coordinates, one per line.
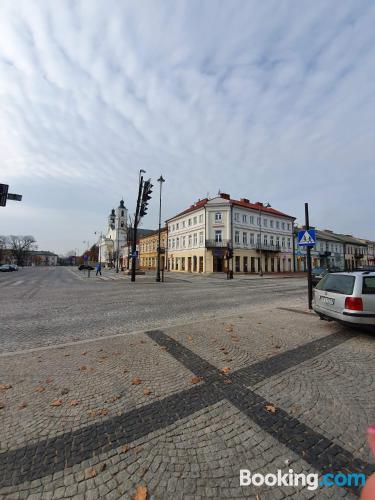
(146, 196)
(3, 194)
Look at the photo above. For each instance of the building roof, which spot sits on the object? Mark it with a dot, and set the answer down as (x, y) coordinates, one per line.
(244, 202)
(153, 233)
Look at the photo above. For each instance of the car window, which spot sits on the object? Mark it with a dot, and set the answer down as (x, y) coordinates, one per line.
(368, 285)
(338, 283)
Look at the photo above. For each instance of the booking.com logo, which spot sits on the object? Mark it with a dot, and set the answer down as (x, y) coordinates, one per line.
(310, 481)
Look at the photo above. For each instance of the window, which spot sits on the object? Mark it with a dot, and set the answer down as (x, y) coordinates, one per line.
(251, 219)
(201, 238)
(173, 243)
(244, 218)
(195, 220)
(184, 242)
(218, 217)
(173, 227)
(289, 243)
(244, 238)
(288, 226)
(271, 240)
(258, 221)
(218, 238)
(277, 241)
(183, 223)
(283, 225)
(189, 222)
(277, 224)
(178, 243)
(237, 236)
(201, 218)
(195, 239)
(237, 216)
(189, 240)
(122, 213)
(258, 238)
(252, 239)
(283, 242)
(338, 283)
(122, 224)
(271, 223)
(265, 239)
(265, 222)
(369, 285)
(177, 226)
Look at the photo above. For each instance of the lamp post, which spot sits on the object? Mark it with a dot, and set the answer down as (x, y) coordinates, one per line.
(266, 205)
(160, 181)
(100, 241)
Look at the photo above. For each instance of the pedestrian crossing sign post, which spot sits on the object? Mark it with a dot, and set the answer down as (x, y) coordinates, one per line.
(306, 238)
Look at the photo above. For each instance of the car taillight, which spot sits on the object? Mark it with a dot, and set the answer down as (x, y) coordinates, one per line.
(354, 303)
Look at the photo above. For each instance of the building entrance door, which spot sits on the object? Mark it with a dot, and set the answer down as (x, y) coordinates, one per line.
(189, 264)
(218, 264)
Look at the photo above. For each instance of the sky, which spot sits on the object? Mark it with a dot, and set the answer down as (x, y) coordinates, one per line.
(271, 101)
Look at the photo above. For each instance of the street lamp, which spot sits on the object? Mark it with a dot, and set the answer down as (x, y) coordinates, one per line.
(100, 241)
(160, 181)
(266, 205)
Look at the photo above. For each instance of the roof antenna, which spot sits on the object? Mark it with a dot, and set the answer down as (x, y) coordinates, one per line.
(219, 192)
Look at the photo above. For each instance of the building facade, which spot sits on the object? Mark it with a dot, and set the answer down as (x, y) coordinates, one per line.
(114, 240)
(328, 252)
(148, 250)
(259, 237)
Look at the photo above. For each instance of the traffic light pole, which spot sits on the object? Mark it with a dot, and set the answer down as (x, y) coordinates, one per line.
(134, 243)
(308, 259)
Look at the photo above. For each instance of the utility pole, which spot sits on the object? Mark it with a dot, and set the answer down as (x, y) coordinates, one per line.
(160, 181)
(308, 259)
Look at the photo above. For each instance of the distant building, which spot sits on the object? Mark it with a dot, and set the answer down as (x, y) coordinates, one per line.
(41, 258)
(202, 236)
(148, 250)
(111, 243)
(141, 233)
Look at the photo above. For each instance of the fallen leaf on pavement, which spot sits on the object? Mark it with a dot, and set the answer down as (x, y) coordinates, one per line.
(56, 402)
(271, 408)
(64, 391)
(141, 493)
(83, 353)
(147, 392)
(40, 388)
(82, 368)
(74, 402)
(126, 371)
(136, 381)
(196, 380)
(227, 381)
(102, 467)
(98, 412)
(190, 338)
(113, 399)
(125, 448)
(5, 387)
(22, 405)
(226, 369)
(49, 380)
(91, 472)
(228, 328)
(67, 354)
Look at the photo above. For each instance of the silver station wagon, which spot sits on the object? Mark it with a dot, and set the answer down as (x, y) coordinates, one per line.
(346, 297)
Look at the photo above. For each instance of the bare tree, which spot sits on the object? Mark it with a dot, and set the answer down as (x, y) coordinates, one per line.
(20, 247)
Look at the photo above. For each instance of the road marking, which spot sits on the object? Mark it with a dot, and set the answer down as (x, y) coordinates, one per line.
(17, 283)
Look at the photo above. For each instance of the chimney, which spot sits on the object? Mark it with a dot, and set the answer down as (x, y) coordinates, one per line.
(259, 203)
(245, 200)
(225, 196)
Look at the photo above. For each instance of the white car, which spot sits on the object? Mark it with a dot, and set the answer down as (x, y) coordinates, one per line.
(346, 297)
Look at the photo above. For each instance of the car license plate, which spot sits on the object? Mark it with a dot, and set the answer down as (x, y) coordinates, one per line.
(327, 300)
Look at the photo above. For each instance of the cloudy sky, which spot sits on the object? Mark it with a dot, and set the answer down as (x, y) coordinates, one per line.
(270, 100)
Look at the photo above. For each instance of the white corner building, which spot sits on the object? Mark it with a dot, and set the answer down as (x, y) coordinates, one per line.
(114, 241)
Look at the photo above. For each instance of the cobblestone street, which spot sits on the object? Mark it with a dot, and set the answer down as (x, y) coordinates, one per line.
(107, 386)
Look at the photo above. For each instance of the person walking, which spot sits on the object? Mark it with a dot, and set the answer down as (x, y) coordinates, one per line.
(98, 269)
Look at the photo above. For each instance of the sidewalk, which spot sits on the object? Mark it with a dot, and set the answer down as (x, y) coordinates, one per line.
(179, 411)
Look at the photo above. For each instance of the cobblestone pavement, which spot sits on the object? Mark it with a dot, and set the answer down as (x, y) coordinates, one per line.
(181, 409)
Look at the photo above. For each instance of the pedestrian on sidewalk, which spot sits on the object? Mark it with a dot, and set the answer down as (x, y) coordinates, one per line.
(98, 269)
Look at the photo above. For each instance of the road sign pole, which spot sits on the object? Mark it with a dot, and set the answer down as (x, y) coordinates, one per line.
(308, 259)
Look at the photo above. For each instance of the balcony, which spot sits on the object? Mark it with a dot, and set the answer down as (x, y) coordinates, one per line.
(358, 255)
(218, 244)
(267, 248)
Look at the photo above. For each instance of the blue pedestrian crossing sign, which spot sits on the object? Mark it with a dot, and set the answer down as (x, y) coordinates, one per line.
(306, 238)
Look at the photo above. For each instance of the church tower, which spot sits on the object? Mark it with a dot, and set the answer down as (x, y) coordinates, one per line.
(121, 217)
(111, 219)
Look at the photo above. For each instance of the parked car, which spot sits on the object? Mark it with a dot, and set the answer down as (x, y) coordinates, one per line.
(85, 267)
(14, 267)
(317, 274)
(7, 268)
(346, 297)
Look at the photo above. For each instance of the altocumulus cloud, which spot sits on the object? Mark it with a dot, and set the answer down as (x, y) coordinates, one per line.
(270, 100)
